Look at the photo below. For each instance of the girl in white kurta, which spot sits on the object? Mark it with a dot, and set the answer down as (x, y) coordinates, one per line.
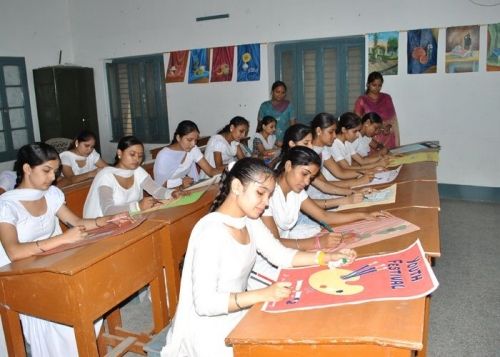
(81, 162)
(224, 147)
(342, 149)
(120, 188)
(175, 165)
(7, 180)
(29, 224)
(295, 172)
(220, 255)
(264, 141)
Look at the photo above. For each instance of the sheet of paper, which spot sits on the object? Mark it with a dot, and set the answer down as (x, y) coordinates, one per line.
(402, 275)
(415, 157)
(424, 145)
(382, 197)
(204, 183)
(382, 177)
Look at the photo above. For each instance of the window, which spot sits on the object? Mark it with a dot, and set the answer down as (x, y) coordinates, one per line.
(322, 76)
(15, 115)
(137, 98)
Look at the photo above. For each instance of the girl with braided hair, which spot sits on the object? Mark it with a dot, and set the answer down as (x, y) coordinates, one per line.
(221, 253)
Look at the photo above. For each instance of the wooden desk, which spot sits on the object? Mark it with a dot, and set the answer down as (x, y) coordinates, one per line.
(428, 221)
(78, 286)
(385, 328)
(76, 195)
(419, 171)
(179, 221)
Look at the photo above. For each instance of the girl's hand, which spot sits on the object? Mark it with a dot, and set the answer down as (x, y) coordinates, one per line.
(178, 192)
(187, 181)
(74, 234)
(119, 219)
(366, 178)
(147, 202)
(277, 291)
(348, 254)
(374, 215)
(367, 190)
(355, 197)
(330, 240)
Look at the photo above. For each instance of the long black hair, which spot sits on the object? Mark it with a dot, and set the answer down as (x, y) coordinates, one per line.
(82, 136)
(236, 121)
(373, 117)
(33, 154)
(265, 121)
(299, 156)
(294, 133)
(246, 170)
(372, 77)
(348, 120)
(322, 121)
(183, 128)
(125, 143)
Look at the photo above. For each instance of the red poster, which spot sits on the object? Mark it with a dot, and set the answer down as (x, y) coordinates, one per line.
(222, 65)
(402, 275)
(176, 70)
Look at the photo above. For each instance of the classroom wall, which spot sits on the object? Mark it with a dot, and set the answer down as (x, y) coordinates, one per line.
(460, 110)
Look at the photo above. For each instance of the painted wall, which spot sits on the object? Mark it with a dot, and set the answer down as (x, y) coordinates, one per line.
(460, 110)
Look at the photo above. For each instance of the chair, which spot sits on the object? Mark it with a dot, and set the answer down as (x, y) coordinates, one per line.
(60, 144)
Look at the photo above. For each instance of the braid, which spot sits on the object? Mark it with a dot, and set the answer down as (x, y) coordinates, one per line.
(224, 187)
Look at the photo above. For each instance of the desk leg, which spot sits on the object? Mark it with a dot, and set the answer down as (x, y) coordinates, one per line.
(13, 333)
(85, 339)
(114, 320)
(425, 341)
(161, 315)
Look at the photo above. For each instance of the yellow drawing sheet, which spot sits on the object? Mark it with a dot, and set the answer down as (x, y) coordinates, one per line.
(390, 197)
(415, 157)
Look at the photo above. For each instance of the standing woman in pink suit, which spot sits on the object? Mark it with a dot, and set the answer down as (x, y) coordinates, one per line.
(381, 103)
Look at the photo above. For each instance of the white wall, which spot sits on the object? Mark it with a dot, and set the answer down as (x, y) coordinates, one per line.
(35, 30)
(460, 110)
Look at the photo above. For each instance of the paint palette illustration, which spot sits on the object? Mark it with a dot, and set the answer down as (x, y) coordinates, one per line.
(330, 281)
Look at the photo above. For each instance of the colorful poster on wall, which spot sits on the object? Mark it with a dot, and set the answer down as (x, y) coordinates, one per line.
(199, 66)
(493, 57)
(422, 51)
(177, 63)
(402, 275)
(222, 64)
(462, 49)
(383, 52)
(249, 62)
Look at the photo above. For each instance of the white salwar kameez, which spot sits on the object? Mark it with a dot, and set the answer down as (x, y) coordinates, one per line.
(173, 165)
(216, 265)
(46, 338)
(106, 196)
(69, 158)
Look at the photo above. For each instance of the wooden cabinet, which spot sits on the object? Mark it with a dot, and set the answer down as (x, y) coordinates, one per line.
(65, 100)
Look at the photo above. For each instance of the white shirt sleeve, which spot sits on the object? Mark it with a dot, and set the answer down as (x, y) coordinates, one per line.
(338, 150)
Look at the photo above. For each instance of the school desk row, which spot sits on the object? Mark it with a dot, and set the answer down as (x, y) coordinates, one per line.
(77, 286)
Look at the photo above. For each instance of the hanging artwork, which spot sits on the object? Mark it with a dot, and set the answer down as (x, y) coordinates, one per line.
(462, 49)
(176, 70)
(402, 275)
(493, 57)
(249, 62)
(383, 52)
(222, 64)
(422, 51)
(199, 66)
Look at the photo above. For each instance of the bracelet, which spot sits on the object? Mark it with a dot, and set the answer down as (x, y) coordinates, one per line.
(317, 243)
(38, 246)
(95, 221)
(320, 258)
(236, 301)
(297, 243)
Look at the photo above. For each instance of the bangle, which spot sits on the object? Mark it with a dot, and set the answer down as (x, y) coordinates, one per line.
(320, 257)
(38, 246)
(236, 301)
(297, 243)
(95, 221)
(317, 243)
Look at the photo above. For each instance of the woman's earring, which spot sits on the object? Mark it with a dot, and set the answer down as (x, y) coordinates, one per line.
(119, 157)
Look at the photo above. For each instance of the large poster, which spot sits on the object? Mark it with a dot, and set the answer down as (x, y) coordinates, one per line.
(383, 52)
(493, 57)
(402, 275)
(422, 51)
(462, 49)
(177, 63)
(199, 66)
(249, 62)
(222, 64)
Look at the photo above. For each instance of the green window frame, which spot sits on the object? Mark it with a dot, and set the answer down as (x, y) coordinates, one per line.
(322, 76)
(16, 123)
(137, 97)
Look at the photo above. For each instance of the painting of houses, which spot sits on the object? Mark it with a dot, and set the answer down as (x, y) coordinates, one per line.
(383, 52)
